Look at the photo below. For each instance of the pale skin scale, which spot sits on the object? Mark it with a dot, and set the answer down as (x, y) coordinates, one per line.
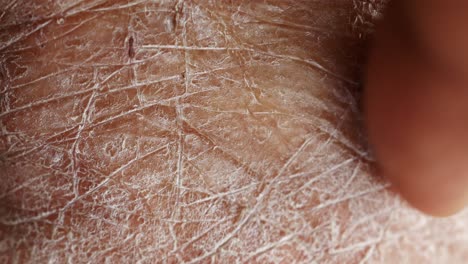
(196, 132)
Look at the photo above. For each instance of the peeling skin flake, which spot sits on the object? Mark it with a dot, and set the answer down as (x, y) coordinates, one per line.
(196, 132)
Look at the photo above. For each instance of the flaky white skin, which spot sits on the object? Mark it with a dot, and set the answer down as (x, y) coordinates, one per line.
(198, 132)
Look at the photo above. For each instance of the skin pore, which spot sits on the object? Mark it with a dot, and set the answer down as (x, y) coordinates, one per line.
(197, 132)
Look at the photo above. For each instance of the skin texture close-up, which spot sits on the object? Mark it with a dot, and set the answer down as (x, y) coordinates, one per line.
(197, 132)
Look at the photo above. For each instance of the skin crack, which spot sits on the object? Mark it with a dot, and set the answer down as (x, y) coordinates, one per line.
(196, 132)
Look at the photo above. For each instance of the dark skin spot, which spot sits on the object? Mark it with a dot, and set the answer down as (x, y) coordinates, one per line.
(174, 20)
(131, 49)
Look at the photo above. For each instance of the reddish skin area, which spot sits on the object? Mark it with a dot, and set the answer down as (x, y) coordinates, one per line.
(416, 103)
(225, 133)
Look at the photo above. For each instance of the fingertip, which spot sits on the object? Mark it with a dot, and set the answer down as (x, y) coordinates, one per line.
(431, 200)
(416, 122)
(423, 206)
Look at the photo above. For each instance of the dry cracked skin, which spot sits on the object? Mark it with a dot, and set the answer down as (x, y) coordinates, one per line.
(196, 132)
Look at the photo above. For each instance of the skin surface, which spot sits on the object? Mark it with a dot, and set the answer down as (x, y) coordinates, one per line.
(196, 132)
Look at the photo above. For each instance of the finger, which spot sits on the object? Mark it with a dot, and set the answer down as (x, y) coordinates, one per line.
(416, 103)
(441, 27)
